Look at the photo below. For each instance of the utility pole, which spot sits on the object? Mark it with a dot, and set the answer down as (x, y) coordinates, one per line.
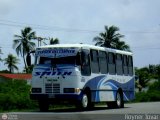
(40, 39)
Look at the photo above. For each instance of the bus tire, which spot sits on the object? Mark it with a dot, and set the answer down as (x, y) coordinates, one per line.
(43, 105)
(85, 102)
(119, 103)
(119, 99)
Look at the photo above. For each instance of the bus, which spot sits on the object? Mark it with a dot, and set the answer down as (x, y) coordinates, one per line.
(82, 74)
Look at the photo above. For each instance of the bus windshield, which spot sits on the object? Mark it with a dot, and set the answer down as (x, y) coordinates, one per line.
(75, 60)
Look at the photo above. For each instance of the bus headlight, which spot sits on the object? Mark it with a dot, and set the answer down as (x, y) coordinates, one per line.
(36, 90)
(77, 90)
(71, 90)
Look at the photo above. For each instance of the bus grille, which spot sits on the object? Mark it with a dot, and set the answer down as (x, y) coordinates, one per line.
(52, 88)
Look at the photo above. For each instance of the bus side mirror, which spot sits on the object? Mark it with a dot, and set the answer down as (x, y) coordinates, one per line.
(28, 58)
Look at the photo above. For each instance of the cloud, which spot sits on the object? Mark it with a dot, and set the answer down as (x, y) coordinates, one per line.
(133, 17)
(6, 6)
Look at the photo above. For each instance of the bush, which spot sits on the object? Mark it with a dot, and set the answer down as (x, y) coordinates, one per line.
(153, 94)
(155, 86)
(14, 94)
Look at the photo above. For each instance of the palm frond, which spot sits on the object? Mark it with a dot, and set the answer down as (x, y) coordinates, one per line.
(18, 36)
(111, 39)
(19, 50)
(97, 39)
(99, 44)
(31, 35)
(54, 41)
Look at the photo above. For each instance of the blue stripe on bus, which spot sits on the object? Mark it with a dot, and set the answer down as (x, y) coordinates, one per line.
(96, 82)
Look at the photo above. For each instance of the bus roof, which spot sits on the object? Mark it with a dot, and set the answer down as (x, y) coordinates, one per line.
(86, 46)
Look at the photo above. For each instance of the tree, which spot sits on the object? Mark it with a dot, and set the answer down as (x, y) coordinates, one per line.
(111, 39)
(23, 45)
(11, 61)
(144, 76)
(158, 71)
(121, 45)
(54, 41)
(29, 69)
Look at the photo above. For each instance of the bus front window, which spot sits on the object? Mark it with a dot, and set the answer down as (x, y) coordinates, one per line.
(61, 60)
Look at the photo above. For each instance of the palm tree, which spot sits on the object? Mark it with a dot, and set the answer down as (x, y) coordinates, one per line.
(11, 61)
(54, 41)
(144, 76)
(23, 45)
(111, 39)
(121, 45)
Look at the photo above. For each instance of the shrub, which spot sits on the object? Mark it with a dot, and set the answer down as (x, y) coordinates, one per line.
(141, 97)
(153, 94)
(14, 94)
(155, 86)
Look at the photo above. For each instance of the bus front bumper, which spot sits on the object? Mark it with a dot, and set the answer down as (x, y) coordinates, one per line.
(58, 97)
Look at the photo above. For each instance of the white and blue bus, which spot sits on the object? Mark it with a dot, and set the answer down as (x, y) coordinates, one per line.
(82, 74)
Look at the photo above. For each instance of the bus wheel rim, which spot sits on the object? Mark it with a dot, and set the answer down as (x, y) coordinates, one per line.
(85, 101)
(118, 100)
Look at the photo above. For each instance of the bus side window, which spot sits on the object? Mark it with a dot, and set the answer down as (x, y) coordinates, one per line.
(103, 62)
(125, 65)
(111, 63)
(119, 68)
(85, 63)
(94, 61)
(130, 65)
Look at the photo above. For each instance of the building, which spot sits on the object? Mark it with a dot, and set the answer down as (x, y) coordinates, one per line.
(8, 76)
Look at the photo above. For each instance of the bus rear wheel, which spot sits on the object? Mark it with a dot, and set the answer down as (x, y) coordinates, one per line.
(119, 103)
(119, 100)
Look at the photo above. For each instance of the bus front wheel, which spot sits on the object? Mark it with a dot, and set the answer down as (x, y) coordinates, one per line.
(83, 103)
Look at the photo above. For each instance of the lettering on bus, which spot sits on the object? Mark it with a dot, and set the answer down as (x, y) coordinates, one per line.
(55, 51)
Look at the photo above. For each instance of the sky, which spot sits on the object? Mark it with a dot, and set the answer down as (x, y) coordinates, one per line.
(79, 21)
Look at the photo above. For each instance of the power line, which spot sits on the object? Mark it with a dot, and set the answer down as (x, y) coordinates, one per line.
(42, 27)
(57, 28)
(146, 48)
